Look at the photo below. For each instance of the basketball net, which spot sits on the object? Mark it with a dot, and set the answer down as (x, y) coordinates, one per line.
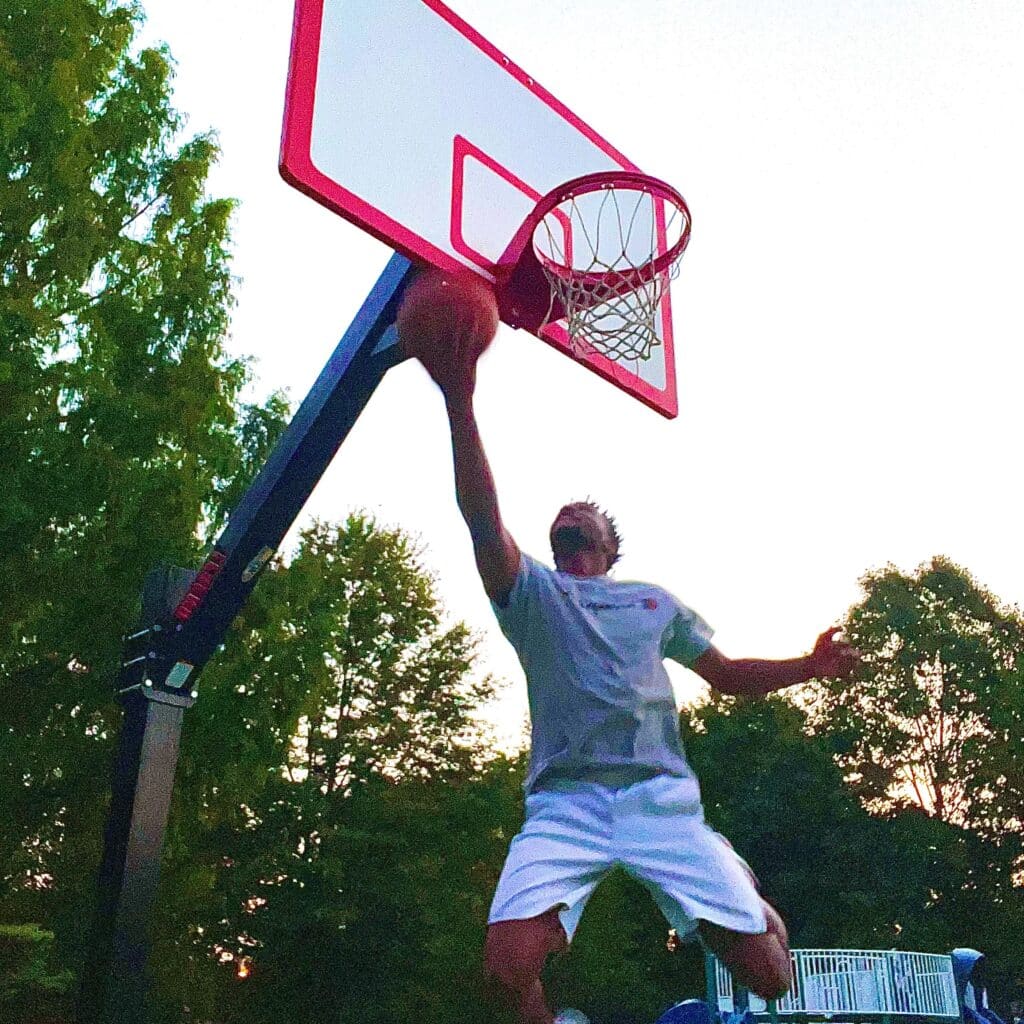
(597, 251)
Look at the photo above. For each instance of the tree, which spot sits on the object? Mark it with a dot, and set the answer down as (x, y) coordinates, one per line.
(121, 434)
(931, 737)
(330, 801)
(31, 989)
(401, 936)
(937, 717)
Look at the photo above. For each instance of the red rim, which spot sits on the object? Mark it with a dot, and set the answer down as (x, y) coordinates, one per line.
(525, 296)
(632, 181)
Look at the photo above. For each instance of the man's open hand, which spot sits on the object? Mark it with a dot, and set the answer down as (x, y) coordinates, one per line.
(833, 658)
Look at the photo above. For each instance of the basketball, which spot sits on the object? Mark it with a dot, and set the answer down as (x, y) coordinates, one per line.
(447, 318)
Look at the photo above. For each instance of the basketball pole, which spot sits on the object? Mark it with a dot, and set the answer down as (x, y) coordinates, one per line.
(185, 618)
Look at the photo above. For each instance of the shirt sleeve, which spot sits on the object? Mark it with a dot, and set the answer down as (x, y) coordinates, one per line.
(513, 616)
(687, 636)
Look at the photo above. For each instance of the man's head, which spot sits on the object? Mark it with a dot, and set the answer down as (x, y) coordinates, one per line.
(584, 539)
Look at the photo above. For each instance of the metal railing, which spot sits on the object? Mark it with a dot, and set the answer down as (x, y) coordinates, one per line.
(857, 982)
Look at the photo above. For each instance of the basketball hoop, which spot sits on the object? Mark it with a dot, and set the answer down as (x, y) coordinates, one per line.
(597, 252)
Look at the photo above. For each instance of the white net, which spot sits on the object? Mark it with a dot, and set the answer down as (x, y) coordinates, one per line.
(597, 251)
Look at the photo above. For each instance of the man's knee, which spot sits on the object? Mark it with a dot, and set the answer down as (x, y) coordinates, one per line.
(765, 966)
(760, 963)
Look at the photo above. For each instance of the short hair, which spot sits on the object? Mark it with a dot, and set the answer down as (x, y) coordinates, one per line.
(613, 526)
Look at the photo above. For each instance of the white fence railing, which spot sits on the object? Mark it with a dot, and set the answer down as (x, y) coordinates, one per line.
(856, 981)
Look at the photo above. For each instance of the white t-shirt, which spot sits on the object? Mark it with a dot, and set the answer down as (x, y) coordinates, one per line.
(592, 649)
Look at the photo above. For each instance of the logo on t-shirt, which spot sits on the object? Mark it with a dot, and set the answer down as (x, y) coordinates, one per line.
(603, 606)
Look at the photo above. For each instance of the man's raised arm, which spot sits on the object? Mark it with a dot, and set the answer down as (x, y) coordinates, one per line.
(446, 323)
(497, 554)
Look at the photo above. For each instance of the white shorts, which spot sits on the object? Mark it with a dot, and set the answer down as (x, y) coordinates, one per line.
(575, 833)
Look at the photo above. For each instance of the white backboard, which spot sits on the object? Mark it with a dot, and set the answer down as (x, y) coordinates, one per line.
(404, 120)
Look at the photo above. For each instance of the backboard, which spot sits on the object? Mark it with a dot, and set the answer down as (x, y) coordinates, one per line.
(403, 119)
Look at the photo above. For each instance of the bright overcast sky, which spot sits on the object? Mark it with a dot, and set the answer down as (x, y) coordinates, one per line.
(848, 315)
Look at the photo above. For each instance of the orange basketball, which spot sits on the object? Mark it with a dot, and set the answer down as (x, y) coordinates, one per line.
(450, 317)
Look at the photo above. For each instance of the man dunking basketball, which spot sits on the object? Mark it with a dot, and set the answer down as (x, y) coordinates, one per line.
(608, 783)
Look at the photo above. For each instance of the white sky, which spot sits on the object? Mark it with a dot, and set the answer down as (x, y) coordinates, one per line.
(848, 314)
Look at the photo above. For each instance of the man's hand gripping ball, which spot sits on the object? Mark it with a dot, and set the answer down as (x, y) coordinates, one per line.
(447, 321)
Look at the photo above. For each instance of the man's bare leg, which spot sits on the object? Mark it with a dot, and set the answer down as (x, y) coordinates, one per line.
(514, 956)
(758, 962)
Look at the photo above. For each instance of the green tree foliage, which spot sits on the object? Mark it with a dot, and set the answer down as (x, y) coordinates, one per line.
(31, 988)
(937, 718)
(121, 436)
(333, 818)
(396, 931)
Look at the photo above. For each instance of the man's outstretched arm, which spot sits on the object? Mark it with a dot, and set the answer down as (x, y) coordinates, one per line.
(755, 677)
